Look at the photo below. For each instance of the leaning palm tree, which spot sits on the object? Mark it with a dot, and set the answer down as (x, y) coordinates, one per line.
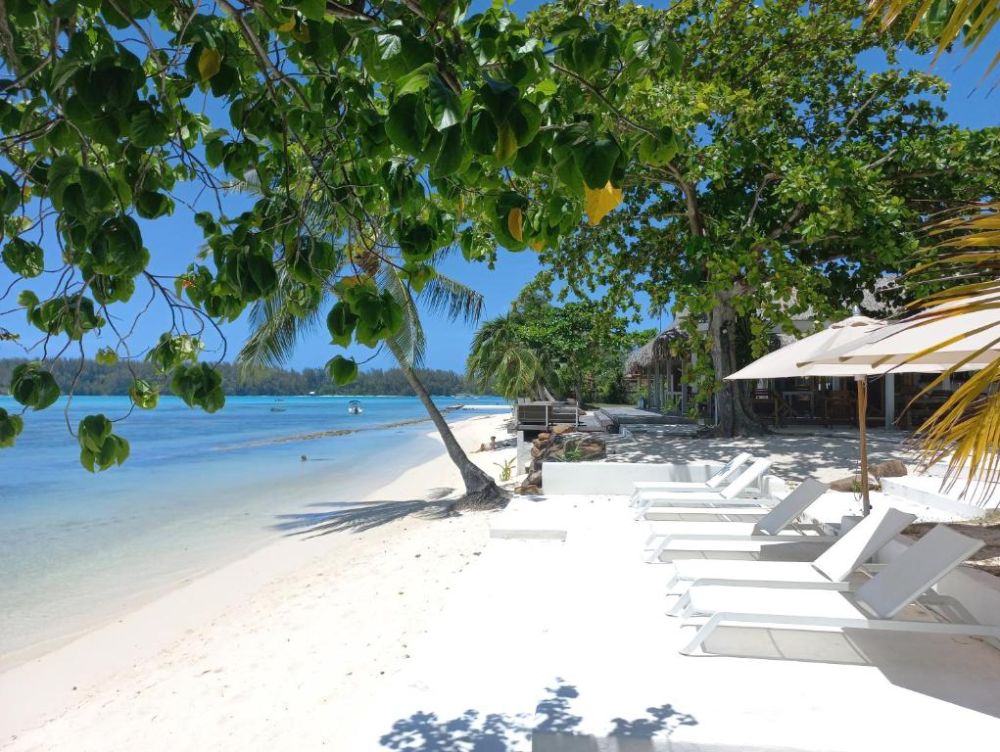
(962, 262)
(281, 319)
(500, 360)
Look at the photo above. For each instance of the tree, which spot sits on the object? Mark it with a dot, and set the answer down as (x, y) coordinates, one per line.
(801, 179)
(280, 320)
(577, 348)
(424, 127)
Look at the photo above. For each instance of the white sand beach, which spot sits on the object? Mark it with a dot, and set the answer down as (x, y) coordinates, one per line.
(276, 651)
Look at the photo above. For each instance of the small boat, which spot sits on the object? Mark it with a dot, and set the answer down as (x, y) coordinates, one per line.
(354, 407)
(277, 409)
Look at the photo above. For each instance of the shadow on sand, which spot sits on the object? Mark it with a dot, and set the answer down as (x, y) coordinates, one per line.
(552, 728)
(338, 516)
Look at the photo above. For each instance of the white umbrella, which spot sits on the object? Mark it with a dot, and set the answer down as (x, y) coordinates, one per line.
(810, 356)
(971, 329)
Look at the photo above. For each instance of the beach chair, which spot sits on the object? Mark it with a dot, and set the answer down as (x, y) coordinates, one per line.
(872, 606)
(722, 475)
(729, 494)
(836, 564)
(769, 527)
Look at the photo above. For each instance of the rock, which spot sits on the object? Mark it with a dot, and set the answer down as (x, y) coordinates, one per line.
(888, 469)
(537, 452)
(534, 479)
(544, 436)
(527, 490)
(851, 485)
(562, 428)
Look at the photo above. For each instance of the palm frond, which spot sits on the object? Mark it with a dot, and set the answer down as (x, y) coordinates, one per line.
(965, 429)
(500, 360)
(410, 343)
(947, 21)
(457, 301)
(276, 328)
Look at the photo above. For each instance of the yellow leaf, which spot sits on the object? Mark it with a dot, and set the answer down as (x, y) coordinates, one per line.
(209, 63)
(600, 201)
(287, 25)
(538, 245)
(506, 146)
(515, 223)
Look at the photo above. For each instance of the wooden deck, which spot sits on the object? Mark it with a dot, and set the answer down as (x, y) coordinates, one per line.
(625, 415)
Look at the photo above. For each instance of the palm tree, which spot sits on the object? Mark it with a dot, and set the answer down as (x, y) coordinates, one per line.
(501, 360)
(279, 321)
(965, 259)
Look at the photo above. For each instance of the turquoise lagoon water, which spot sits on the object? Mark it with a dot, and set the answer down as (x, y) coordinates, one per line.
(197, 491)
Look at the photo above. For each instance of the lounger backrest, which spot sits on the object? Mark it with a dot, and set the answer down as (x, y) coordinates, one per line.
(862, 542)
(728, 470)
(746, 479)
(790, 507)
(916, 570)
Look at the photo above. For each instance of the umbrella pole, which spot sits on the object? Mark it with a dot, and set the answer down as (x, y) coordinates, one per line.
(862, 383)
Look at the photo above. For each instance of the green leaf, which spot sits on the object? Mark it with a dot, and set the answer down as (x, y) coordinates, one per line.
(209, 63)
(342, 370)
(658, 150)
(596, 161)
(10, 193)
(33, 386)
(10, 428)
(146, 128)
(341, 322)
(482, 132)
(96, 191)
(145, 395)
(506, 146)
(416, 80)
(451, 154)
(443, 107)
(24, 258)
(406, 125)
(106, 356)
(525, 119)
(150, 205)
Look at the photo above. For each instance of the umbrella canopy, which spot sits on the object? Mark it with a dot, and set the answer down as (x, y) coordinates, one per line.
(807, 356)
(887, 348)
(795, 359)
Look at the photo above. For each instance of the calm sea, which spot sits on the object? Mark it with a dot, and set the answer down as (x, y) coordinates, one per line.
(198, 490)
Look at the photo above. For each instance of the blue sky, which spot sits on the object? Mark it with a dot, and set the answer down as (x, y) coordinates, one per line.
(175, 239)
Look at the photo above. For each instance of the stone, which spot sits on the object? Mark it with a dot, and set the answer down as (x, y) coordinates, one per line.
(527, 490)
(852, 484)
(562, 428)
(888, 469)
(543, 436)
(537, 452)
(534, 479)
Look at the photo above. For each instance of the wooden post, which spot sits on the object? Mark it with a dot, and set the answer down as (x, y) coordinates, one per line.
(862, 383)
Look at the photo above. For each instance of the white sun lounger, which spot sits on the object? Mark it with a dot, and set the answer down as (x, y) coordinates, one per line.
(872, 606)
(726, 496)
(836, 564)
(769, 527)
(712, 485)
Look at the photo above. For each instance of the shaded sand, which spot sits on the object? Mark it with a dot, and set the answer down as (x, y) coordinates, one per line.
(276, 651)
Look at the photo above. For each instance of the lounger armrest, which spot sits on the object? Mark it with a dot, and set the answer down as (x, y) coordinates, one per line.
(671, 537)
(776, 584)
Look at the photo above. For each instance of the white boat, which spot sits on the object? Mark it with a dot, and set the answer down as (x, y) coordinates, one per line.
(354, 407)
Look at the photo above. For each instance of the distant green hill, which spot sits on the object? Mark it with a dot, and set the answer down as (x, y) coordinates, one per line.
(116, 379)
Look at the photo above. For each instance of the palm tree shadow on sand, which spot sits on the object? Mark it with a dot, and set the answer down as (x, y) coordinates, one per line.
(553, 727)
(340, 516)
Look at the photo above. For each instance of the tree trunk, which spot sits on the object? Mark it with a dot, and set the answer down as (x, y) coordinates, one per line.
(735, 414)
(480, 489)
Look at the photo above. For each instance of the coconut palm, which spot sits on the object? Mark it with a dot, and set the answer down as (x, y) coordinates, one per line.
(281, 319)
(964, 258)
(501, 360)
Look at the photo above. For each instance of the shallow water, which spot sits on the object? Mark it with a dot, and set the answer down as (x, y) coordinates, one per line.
(198, 490)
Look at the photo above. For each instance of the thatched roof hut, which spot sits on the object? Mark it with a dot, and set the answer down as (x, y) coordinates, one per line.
(658, 348)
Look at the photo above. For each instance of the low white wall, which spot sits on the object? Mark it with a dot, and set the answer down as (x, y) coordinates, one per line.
(910, 487)
(978, 592)
(617, 478)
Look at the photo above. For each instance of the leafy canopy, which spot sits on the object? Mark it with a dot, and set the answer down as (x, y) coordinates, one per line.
(421, 126)
(802, 176)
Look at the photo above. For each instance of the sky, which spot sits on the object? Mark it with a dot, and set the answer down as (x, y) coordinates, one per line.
(174, 240)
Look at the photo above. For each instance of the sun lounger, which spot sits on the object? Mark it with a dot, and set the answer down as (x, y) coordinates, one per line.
(872, 606)
(769, 527)
(712, 485)
(836, 564)
(751, 476)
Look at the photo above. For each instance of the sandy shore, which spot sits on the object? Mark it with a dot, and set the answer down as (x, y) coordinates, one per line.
(279, 650)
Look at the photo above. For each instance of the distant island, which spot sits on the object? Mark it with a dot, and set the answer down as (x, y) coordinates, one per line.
(98, 379)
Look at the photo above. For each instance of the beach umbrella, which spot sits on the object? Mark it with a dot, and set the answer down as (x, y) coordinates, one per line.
(961, 333)
(809, 356)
